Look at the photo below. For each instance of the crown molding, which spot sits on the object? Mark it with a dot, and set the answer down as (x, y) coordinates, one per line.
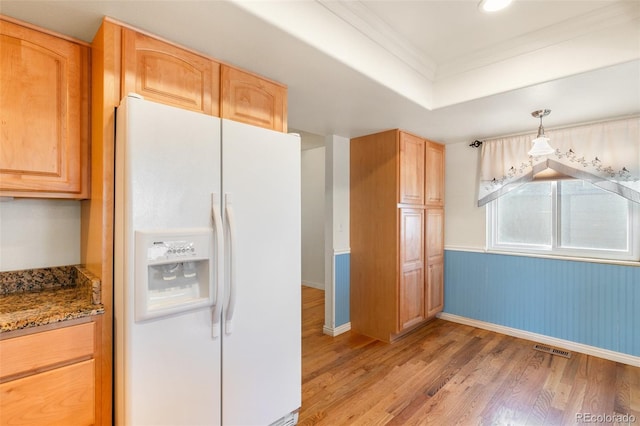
(356, 14)
(617, 15)
(360, 17)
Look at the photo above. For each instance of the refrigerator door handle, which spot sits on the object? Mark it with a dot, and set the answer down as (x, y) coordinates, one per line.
(219, 265)
(231, 304)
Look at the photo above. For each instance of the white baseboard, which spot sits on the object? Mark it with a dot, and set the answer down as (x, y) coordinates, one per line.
(336, 331)
(541, 338)
(338, 252)
(319, 286)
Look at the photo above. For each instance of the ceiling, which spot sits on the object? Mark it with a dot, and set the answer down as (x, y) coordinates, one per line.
(440, 69)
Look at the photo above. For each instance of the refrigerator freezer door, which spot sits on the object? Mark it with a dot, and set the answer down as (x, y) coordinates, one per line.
(172, 162)
(261, 352)
(167, 167)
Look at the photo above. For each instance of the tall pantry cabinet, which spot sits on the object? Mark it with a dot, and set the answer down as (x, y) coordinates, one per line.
(397, 230)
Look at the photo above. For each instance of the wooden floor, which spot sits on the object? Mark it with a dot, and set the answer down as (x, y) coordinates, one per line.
(447, 373)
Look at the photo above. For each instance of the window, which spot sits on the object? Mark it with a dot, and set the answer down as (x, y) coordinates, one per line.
(565, 217)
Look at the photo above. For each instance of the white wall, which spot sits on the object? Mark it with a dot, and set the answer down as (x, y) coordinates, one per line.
(465, 223)
(313, 204)
(337, 157)
(39, 233)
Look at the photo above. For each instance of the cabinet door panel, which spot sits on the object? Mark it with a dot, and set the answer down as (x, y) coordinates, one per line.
(412, 169)
(435, 260)
(435, 289)
(63, 396)
(411, 298)
(25, 353)
(434, 174)
(252, 100)
(411, 304)
(435, 235)
(165, 73)
(44, 81)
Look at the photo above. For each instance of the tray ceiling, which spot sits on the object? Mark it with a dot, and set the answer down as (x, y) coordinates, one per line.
(442, 69)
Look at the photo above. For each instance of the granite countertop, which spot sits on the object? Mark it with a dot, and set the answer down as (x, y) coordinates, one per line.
(35, 297)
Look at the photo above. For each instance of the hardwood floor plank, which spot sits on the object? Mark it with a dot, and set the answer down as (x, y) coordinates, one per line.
(371, 407)
(554, 383)
(634, 391)
(497, 408)
(541, 408)
(446, 374)
(528, 398)
(574, 401)
(404, 409)
(555, 416)
(600, 392)
(459, 359)
(627, 398)
(490, 376)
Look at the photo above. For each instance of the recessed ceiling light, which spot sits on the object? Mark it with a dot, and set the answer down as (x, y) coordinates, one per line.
(493, 5)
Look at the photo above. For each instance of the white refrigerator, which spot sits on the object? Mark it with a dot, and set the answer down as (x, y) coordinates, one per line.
(206, 270)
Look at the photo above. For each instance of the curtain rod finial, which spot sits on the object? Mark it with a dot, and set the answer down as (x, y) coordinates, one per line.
(476, 143)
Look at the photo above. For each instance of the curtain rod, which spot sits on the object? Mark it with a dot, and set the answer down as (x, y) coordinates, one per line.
(477, 143)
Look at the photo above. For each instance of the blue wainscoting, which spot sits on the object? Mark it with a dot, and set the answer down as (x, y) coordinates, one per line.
(589, 303)
(342, 279)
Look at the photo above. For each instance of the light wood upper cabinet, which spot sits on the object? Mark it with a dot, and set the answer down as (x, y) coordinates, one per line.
(165, 73)
(170, 74)
(434, 174)
(250, 99)
(44, 124)
(412, 169)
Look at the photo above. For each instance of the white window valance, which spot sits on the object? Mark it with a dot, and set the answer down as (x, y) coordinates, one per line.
(606, 154)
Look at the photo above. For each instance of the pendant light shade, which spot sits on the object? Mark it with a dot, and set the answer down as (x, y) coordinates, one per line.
(540, 145)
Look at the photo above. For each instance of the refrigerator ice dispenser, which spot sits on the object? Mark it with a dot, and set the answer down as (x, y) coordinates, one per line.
(173, 272)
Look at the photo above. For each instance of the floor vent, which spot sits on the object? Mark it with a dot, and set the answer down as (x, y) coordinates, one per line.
(552, 351)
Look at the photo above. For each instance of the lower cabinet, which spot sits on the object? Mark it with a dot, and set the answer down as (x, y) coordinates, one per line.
(411, 309)
(64, 395)
(49, 377)
(397, 271)
(435, 289)
(421, 286)
(434, 247)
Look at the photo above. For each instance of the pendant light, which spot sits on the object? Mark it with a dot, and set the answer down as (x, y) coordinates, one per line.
(540, 145)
